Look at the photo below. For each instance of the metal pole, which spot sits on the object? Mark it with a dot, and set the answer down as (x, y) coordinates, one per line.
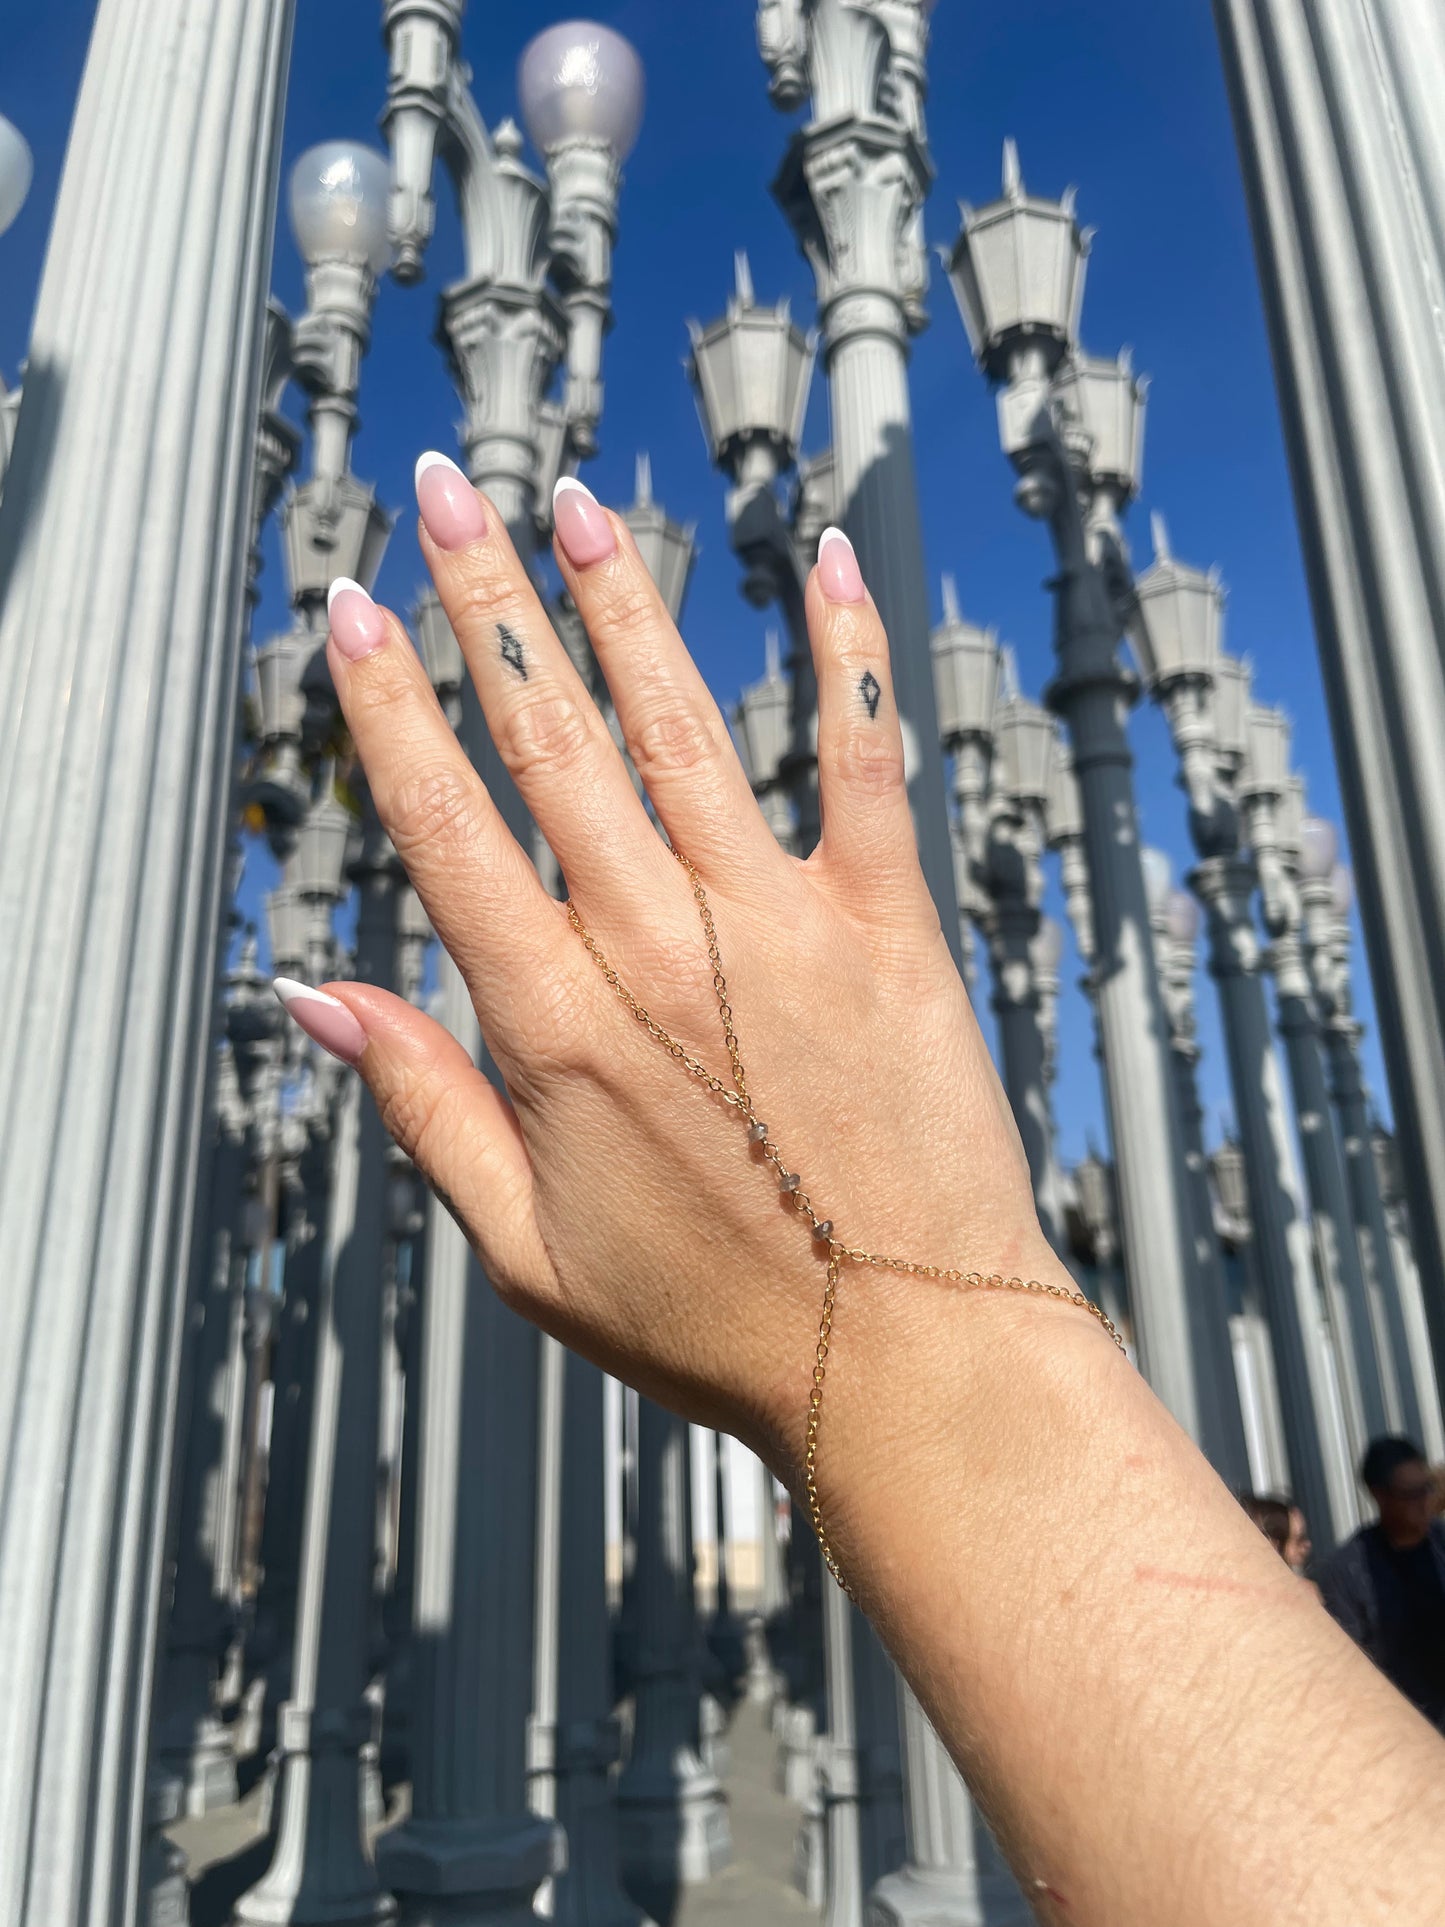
(117, 730)
(1335, 110)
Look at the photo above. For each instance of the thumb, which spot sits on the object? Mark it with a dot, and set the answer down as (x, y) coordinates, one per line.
(452, 1122)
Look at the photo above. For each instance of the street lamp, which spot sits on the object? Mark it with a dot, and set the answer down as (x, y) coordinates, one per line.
(751, 373)
(967, 665)
(762, 729)
(17, 169)
(1072, 427)
(1272, 805)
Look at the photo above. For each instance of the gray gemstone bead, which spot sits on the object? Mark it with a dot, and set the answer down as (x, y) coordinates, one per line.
(789, 1180)
(823, 1230)
(757, 1132)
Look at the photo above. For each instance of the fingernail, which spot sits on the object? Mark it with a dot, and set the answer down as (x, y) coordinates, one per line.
(839, 576)
(325, 1020)
(450, 507)
(357, 625)
(583, 530)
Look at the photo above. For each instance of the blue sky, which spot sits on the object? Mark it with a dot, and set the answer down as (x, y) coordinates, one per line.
(1121, 97)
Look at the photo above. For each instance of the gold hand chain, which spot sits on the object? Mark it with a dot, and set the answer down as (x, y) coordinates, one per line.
(791, 1185)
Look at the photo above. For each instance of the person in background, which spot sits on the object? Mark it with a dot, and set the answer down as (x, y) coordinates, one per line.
(1272, 1516)
(1297, 1545)
(1386, 1585)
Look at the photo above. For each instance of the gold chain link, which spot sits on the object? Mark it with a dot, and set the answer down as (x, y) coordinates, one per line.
(790, 1183)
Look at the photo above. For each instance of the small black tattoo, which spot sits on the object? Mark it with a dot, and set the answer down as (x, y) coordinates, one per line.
(512, 650)
(869, 690)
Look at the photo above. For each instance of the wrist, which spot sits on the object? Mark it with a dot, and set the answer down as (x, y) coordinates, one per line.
(924, 1383)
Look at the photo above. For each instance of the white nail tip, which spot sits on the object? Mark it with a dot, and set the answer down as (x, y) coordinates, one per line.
(564, 482)
(433, 458)
(339, 587)
(832, 534)
(291, 992)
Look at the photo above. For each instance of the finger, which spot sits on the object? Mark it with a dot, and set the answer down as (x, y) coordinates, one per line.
(673, 729)
(868, 839)
(484, 898)
(542, 719)
(450, 1119)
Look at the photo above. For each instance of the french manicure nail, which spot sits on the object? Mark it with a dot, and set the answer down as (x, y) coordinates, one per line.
(583, 530)
(839, 576)
(450, 507)
(357, 625)
(325, 1020)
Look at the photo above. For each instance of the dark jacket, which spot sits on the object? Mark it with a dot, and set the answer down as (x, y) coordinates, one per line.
(1351, 1584)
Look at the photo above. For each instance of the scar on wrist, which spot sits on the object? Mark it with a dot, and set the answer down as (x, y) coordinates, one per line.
(1045, 1892)
(871, 691)
(511, 649)
(1201, 1582)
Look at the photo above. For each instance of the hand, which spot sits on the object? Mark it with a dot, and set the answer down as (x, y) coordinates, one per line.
(612, 1197)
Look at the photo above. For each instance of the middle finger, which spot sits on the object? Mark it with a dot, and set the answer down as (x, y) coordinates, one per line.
(544, 723)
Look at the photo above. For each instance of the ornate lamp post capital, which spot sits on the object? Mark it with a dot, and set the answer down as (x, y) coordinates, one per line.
(668, 548)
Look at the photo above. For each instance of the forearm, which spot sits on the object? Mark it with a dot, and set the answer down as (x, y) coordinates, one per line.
(1159, 1719)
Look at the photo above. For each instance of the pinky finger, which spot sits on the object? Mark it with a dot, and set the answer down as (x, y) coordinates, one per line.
(454, 1124)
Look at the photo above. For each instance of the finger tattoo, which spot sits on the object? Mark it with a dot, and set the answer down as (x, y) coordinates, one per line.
(871, 692)
(511, 645)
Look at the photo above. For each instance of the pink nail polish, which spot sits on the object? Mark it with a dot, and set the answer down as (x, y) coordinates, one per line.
(357, 625)
(325, 1020)
(450, 506)
(839, 576)
(582, 529)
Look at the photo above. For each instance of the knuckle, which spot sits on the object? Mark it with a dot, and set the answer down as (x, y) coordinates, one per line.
(621, 607)
(543, 735)
(484, 595)
(670, 739)
(416, 1113)
(433, 805)
(870, 760)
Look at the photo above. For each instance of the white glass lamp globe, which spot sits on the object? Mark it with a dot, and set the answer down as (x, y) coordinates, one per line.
(1319, 849)
(1342, 891)
(1049, 946)
(1158, 879)
(581, 81)
(16, 168)
(339, 193)
(1183, 917)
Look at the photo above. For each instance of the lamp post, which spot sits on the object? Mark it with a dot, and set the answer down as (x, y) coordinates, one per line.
(1357, 1319)
(536, 290)
(1177, 626)
(321, 1868)
(751, 372)
(852, 188)
(117, 731)
(16, 169)
(1073, 429)
(1335, 118)
(1315, 1425)
(966, 666)
(1175, 918)
(1324, 904)
(1326, 897)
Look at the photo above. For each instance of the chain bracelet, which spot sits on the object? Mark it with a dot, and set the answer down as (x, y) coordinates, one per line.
(839, 1251)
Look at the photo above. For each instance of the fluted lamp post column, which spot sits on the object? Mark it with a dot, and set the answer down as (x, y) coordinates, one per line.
(1326, 897)
(117, 735)
(852, 187)
(537, 285)
(1336, 116)
(966, 668)
(1073, 428)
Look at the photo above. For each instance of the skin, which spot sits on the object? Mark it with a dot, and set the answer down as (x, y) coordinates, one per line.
(1156, 1734)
